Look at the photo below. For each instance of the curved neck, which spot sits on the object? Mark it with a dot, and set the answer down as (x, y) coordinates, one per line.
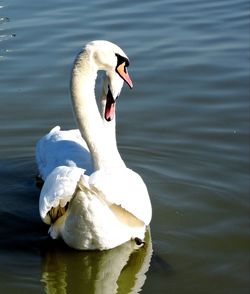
(99, 137)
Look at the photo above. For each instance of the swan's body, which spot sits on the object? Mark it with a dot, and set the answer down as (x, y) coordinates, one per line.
(90, 198)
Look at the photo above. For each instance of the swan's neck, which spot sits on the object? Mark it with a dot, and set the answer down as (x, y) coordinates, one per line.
(100, 138)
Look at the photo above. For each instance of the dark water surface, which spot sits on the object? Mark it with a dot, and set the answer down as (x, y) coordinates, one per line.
(184, 127)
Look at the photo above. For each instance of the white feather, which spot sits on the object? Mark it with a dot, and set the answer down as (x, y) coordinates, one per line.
(123, 187)
(62, 148)
(58, 189)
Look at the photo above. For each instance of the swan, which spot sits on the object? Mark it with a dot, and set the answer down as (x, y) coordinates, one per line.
(89, 197)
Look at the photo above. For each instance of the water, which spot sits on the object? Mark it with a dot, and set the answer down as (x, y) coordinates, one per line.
(184, 127)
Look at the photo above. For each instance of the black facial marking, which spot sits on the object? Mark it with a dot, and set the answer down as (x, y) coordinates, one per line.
(121, 59)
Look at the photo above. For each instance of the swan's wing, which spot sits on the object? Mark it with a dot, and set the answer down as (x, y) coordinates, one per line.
(125, 188)
(58, 190)
(62, 148)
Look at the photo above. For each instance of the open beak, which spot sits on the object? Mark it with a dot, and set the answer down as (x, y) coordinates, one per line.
(123, 73)
(109, 111)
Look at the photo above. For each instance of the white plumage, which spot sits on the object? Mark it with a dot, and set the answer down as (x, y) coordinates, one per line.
(62, 148)
(89, 197)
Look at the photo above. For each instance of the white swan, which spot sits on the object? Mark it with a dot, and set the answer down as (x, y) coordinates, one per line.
(92, 202)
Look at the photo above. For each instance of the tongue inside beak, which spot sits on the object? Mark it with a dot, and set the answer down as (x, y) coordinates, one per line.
(110, 107)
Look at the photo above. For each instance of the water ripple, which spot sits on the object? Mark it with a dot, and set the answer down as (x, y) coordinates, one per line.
(184, 127)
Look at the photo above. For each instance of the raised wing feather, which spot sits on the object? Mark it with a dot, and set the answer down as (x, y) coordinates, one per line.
(62, 148)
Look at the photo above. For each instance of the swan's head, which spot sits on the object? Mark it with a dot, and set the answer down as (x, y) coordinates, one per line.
(112, 59)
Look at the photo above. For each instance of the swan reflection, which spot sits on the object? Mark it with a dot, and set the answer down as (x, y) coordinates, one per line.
(119, 270)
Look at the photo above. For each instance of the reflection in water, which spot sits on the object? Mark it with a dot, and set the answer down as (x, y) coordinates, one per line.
(119, 270)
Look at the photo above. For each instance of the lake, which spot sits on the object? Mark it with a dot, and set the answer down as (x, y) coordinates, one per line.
(184, 127)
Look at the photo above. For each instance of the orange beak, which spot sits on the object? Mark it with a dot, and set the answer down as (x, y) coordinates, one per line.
(123, 73)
